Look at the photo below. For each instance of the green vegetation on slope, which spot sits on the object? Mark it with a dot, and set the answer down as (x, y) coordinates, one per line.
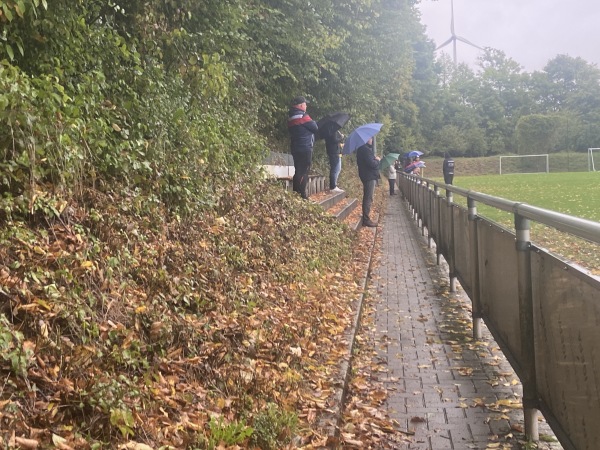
(151, 288)
(118, 325)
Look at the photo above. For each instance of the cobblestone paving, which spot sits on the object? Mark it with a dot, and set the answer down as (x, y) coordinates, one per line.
(451, 391)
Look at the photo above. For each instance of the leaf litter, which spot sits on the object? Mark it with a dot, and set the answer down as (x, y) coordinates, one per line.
(125, 330)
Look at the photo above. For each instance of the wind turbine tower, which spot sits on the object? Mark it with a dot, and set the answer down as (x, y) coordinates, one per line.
(454, 37)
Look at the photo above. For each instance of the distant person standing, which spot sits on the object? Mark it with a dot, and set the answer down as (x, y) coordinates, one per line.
(391, 174)
(448, 168)
(333, 141)
(368, 172)
(302, 131)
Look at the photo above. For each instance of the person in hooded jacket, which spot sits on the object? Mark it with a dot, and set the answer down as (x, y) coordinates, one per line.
(302, 130)
(368, 172)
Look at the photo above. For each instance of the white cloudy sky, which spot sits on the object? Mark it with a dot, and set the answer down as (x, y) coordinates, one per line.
(529, 31)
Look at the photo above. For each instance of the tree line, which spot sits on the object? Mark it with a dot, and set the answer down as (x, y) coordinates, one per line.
(171, 97)
(498, 108)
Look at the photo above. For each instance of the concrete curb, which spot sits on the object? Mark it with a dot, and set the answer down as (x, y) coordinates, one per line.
(332, 418)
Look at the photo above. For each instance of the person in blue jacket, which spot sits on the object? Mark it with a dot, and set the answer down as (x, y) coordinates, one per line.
(368, 172)
(302, 131)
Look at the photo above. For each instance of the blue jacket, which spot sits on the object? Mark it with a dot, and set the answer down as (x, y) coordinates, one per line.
(302, 130)
(368, 166)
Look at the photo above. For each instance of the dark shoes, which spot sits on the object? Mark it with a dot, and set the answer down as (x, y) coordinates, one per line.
(368, 223)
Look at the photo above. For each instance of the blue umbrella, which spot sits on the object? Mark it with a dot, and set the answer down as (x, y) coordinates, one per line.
(413, 154)
(360, 136)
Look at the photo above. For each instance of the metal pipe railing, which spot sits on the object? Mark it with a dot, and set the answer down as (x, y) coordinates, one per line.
(517, 307)
(583, 228)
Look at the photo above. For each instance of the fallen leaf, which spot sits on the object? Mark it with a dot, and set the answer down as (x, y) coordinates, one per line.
(27, 443)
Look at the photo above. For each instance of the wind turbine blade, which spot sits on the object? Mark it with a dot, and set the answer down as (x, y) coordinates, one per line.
(445, 43)
(462, 39)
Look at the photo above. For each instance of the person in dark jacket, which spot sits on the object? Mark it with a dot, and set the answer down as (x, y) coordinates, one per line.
(302, 131)
(368, 172)
(333, 139)
(448, 168)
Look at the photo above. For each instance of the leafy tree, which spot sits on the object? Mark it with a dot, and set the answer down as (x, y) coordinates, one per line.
(500, 98)
(537, 134)
(576, 87)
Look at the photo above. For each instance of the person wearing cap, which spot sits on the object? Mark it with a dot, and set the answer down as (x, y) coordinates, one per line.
(302, 131)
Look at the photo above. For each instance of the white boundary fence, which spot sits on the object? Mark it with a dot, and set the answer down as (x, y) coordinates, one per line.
(543, 311)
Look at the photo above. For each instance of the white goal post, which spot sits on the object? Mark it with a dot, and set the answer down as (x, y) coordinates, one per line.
(591, 166)
(524, 164)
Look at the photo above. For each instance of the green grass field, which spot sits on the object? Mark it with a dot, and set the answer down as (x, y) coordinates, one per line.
(573, 193)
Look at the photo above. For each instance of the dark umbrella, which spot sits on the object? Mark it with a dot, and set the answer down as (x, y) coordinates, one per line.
(331, 123)
(360, 136)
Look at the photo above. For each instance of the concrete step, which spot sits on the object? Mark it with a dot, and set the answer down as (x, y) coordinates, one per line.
(349, 206)
(331, 199)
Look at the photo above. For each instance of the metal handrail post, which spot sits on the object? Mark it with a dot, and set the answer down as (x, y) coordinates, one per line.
(438, 247)
(476, 300)
(432, 206)
(451, 246)
(424, 196)
(526, 323)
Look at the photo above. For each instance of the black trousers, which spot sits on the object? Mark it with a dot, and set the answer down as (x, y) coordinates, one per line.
(302, 163)
(448, 177)
(392, 183)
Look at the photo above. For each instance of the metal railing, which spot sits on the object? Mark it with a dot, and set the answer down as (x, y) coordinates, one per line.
(543, 311)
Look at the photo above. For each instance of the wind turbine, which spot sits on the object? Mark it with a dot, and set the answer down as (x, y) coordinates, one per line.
(454, 37)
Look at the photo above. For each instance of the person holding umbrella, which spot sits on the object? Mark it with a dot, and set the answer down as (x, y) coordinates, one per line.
(417, 163)
(368, 172)
(361, 141)
(391, 174)
(329, 129)
(302, 131)
(333, 146)
(389, 163)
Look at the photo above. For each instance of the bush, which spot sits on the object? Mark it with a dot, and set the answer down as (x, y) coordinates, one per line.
(273, 428)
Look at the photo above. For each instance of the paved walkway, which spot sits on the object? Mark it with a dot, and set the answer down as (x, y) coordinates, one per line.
(453, 392)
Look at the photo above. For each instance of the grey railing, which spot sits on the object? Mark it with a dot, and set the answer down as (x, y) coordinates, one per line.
(543, 311)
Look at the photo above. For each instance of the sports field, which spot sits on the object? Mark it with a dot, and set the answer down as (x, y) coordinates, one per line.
(573, 193)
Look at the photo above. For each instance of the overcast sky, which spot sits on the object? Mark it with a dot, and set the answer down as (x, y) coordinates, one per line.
(531, 32)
